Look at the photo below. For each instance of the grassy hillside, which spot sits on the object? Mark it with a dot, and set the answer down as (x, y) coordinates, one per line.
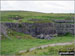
(50, 51)
(30, 13)
(35, 15)
(22, 41)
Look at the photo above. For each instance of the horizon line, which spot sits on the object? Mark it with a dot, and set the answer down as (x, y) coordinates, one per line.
(36, 11)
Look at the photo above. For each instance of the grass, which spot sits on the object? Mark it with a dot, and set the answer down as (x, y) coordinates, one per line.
(22, 41)
(50, 51)
(35, 15)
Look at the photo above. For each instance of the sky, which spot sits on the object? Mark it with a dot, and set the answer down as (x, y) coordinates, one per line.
(39, 6)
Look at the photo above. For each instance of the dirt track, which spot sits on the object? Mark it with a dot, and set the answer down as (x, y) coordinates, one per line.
(44, 46)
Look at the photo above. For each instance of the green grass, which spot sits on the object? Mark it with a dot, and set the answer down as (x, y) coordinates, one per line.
(22, 41)
(50, 51)
(27, 41)
(36, 15)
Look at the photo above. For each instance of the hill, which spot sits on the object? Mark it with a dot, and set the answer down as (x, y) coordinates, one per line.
(35, 15)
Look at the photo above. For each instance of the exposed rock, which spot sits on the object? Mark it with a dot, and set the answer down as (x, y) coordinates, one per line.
(3, 30)
(48, 37)
(44, 30)
(38, 30)
(42, 36)
(15, 17)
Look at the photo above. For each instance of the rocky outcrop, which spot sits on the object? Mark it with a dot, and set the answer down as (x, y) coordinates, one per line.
(47, 36)
(3, 31)
(65, 26)
(44, 30)
(39, 30)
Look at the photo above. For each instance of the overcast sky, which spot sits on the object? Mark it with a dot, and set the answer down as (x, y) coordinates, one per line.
(39, 6)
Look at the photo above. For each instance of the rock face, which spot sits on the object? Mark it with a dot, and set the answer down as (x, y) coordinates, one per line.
(3, 30)
(65, 26)
(44, 30)
(39, 30)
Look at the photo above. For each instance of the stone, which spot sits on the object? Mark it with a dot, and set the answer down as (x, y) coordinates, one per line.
(43, 30)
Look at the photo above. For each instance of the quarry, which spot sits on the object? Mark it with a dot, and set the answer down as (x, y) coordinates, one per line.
(46, 30)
